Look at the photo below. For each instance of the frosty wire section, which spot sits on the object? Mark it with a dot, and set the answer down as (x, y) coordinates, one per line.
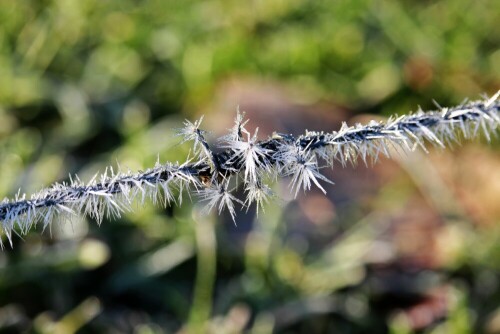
(209, 174)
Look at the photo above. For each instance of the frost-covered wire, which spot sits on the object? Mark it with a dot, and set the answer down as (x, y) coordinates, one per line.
(245, 158)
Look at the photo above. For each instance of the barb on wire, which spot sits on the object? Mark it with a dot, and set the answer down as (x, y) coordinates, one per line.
(254, 162)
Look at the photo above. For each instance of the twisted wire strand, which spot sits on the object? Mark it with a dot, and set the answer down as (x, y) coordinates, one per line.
(253, 161)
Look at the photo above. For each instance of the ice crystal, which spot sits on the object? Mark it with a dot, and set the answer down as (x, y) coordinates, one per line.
(250, 155)
(209, 173)
(218, 196)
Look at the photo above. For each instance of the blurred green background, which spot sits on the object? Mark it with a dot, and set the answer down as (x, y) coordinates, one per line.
(410, 244)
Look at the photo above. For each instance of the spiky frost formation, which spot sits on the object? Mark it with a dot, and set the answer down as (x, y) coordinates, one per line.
(301, 165)
(251, 156)
(109, 195)
(259, 194)
(218, 196)
(255, 161)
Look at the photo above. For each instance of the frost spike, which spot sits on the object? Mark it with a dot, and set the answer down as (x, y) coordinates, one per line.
(113, 192)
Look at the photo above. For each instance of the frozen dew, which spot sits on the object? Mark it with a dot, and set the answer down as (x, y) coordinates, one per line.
(219, 197)
(302, 166)
(208, 174)
(192, 132)
(259, 194)
(236, 132)
(252, 157)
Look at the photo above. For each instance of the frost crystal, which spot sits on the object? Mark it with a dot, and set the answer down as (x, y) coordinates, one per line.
(112, 193)
(220, 197)
(259, 193)
(250, 155)
(302, 166)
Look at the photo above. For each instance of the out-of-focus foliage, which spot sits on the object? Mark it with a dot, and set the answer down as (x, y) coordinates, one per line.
(393, 248)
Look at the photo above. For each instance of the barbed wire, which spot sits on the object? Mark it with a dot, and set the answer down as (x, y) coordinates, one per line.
(209, 174)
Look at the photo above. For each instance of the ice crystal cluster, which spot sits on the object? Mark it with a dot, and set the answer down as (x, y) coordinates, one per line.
(214, 176)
